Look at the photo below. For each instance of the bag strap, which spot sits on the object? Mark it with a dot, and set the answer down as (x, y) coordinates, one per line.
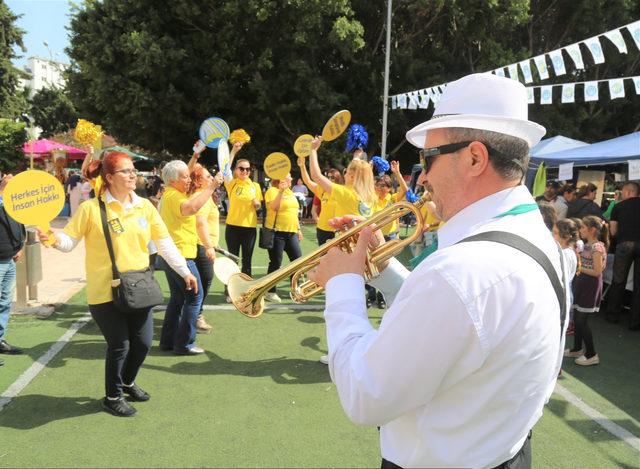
(522, 245)
(107, 238)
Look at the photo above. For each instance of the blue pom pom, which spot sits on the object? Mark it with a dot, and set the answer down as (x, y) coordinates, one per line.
(380, 165)
(411, 197)
(357, 137)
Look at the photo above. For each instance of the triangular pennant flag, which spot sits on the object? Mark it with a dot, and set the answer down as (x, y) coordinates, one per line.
(634, 29)
(616, 88)
(591, 91)
(513, 71)
(402, 101)
(541, 65)
(615, 36)
(558, 62)
(526, 71)
(636, 81)
(540, 181)
(530, 97)
(546, 94)
(568, 93)
(430, 93)
(394, 102)
(424, 101)
(574, 52)
(413, 101)
(436, 97)
(596, 49)
(499, 72)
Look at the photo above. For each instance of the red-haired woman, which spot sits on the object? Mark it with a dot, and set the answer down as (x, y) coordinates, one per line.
(133, 222)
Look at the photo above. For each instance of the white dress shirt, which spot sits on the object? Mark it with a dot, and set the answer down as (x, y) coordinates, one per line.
(468, 352)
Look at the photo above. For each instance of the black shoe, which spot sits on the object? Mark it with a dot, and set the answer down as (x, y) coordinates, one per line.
(381, 303)
(9, 349)
(136, 393)
(119, 407)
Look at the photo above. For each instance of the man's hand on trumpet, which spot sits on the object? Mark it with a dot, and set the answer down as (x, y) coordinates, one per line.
(337, 262)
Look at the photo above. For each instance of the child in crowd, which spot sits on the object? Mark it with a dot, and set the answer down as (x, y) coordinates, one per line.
(587, 288)
(566, 234)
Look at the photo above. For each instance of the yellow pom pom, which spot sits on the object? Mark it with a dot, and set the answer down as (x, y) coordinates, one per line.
(239, 135)
(86, 132)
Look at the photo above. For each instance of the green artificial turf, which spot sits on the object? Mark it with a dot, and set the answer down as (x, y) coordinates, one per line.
(257, 398)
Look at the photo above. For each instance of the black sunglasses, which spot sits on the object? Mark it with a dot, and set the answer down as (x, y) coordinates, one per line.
(427, 155)
(244, 169)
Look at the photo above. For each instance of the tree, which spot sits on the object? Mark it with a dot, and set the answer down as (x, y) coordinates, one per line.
(12, 102)
(53, 111)
(12, 136)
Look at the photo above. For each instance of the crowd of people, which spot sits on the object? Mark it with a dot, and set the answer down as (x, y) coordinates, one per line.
(495, 281)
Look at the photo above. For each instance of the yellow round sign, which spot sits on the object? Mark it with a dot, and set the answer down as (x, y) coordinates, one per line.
(277, 165)
(302, 145)
(336, 125)
(33, 198)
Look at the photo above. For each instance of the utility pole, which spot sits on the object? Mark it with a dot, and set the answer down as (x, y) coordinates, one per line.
(385, 99)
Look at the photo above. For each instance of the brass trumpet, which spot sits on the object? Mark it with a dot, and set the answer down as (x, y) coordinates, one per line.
(247, 294)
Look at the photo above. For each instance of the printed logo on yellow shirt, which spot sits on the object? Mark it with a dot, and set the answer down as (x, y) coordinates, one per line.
(364, 209)
(142, 221)
(116, 226)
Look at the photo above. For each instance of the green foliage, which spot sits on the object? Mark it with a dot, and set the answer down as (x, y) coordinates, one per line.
(53, 111)
(150, 72)
(12, 102)
(12, 136)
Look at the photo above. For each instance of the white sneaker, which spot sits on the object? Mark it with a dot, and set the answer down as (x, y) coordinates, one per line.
(324, 359)
(272, 297)
(228, 298)
(584, 361)
(569, 354)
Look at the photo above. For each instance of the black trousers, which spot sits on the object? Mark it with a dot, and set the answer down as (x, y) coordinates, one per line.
(205, 269)
(521, 460)
(283, 241)
(128, 339)
(324, 236)
(241, 236)
(626, 253)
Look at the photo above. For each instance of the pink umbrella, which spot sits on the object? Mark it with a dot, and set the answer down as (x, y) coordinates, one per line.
(44, 147)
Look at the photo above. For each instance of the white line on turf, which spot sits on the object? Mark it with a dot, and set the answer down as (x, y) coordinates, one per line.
(26, 377)
(613, 428)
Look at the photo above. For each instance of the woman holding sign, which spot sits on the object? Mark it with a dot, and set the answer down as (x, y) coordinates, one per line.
(282, 216)
(133, 222)
(245, 198)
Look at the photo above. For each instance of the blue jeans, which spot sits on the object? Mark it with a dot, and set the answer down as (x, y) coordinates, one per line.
(7, 286)
(179, 325)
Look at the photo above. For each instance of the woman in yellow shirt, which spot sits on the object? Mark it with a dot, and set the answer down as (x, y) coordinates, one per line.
(178, 212)
(208, 229)
(357, 196)
(245, 198)
(324, 231)
(384, 186)
(134, 222)
(282, 215)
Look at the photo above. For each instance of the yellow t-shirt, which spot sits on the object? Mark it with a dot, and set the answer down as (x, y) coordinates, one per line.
(347, 202)
(241, 211)
(327, 209)
(287, 212)
(430, 219)
(182, 229)
(137, 227)
(381, 204)
(210, 211)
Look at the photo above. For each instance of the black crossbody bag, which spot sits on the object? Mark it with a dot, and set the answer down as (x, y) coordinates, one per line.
(267, 235)
(134, 291)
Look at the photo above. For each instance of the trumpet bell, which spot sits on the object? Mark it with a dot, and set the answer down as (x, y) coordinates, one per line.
(239, 287)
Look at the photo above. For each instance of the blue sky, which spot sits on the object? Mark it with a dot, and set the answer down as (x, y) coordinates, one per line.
(42, 21)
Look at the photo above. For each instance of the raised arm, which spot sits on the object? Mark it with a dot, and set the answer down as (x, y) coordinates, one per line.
(305, 175)
(234, 151)
(402, 184)
(316, 174)
(198, 148)
(275, 203)
(191, 206)
(87, 160)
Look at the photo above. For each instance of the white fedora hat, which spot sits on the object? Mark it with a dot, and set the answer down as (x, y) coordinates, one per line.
(482, 101)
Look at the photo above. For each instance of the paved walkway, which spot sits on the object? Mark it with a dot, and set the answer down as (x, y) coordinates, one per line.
(63, 274)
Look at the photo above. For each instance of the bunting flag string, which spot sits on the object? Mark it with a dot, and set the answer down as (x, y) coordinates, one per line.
(568, 93)
(422, 98)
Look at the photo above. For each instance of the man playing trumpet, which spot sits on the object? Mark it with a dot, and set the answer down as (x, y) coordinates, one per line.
(469, 350)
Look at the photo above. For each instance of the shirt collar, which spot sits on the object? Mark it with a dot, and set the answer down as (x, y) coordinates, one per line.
(471, 218)
(136, 201)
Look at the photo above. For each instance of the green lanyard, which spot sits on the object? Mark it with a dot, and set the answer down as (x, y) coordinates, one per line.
(517, 210)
